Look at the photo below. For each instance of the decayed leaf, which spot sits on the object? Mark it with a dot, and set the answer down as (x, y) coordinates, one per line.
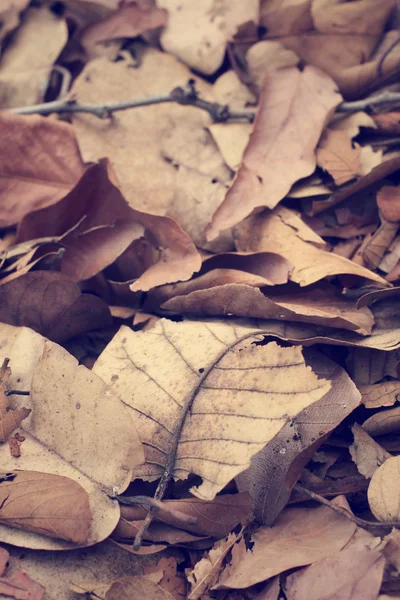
(301, 536)
(198, 32)
(39, 164)
(173, 166)
(381, 423)
(46, 504)
(373, 250)
(182, 430)
(78, 429)
(337, 155)
(278, 231)
(384, 491)
(108, 228)
(215, 519)
(128, 21)
(51, 304)
(223, 292)
(380, 394)
(172, 581)
(352, 574)
(276, 158)
(206, 571)
(366, 453)
(27, 62)
(275, 470)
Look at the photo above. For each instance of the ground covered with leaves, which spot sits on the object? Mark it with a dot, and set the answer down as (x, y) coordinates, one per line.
(199, 287)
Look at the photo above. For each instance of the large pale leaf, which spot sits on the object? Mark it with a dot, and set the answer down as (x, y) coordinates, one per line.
(204, 398)
(78, 428)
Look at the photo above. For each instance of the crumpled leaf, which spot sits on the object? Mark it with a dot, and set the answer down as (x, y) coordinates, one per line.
(206, 571)
(301, 536)
(46, 504)
(172, 581)
(33, 173)
(351, 574)
(215, 518)
(275, 158)
(338, 37)
(128, 21)
(367, 454)
(182, 430)
(384, 491)
(221, 292)
(78, 429)
(109, 227)
(197, 32)
(27, 61)
(124, 588)
(51, 304)
(275, 470)
(279, 231)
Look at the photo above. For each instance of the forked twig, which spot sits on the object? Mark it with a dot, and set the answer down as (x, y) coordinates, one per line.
(157, 505)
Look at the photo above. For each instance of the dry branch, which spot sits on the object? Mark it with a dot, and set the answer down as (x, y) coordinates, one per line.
(186, 96)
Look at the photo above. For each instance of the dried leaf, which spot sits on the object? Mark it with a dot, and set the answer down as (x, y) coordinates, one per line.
(279, 231)
(366, 453)
(20, 586)
(384, 491)
(51, 304)
(46, 504)
(171, 581)
(269, 169)
(380, 394)
(78, 429)
(124, 588)
(206, 571)
(301, 536)
(348, 575)
(173, 166)
(381, 423)
(109, 226)
(215, 294)
(34, 172)
(27, 61)
(128, 21)
(9, 15)
(388, 200)
(215, 518)
(275, 470)
(197, 33)
(174, 409)
(266, 55)
(337, 155)
(159, 532)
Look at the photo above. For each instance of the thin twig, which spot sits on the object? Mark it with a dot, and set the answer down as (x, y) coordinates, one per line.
(157, 505)
(186, 96)
(16, 392)
(346, 513)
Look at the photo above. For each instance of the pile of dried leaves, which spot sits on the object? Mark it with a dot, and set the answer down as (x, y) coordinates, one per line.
(199, 286)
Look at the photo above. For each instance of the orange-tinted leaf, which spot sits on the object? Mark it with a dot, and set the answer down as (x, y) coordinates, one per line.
(275, 158)
(49, 504)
